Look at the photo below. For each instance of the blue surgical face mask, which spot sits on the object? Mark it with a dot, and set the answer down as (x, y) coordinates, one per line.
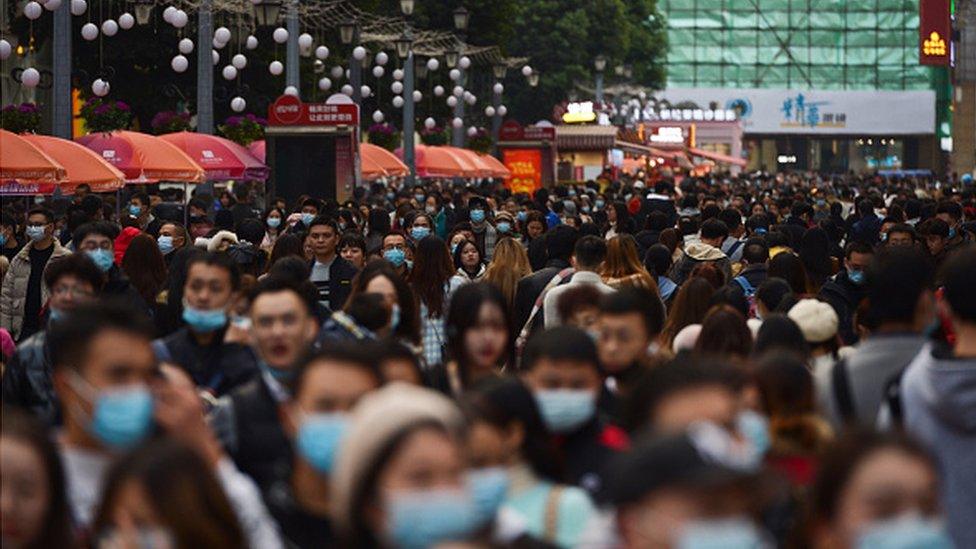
(727, 534)
(503, 227)
(419, 198)
(419, 233)
(54, 314)
(202, 320)
(565, 410)
(488, 487)
(396, 256)
(905, 532)
(319, 437)
(3, 239)
(477, 216)
(952, 233)
(454, 247)
(599, 203)
(134, 210)
(274, 222)
(755, 428)
(35, 233)
(572, 192)
(417, 519)
(165, 244)
(121, 417)
(391, 196)
(394, 317)
(855, 276)
(103, 259)
(307, 218)
(522, 216)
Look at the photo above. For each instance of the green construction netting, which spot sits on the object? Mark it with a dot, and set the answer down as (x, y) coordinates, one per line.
(826, 44)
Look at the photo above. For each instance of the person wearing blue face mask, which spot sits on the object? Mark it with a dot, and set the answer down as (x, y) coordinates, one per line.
(140, 210)
(485, 234)
(273, 220)
(8, 236)
(514, 466)
(72, 281)
(399, 478)
(310, 210)
(23, 294)
(198, 348)
(846, 289)
(561, 367)
(396, 250)
(325, 390)
(96, 240)
(421, 227)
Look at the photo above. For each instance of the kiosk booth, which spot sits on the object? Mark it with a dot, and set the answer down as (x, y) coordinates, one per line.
(530, 154)
(313, 148)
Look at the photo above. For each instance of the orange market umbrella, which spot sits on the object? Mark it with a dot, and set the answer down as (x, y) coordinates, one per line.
(143, 158)
(477, 167)
(436, 162)
(82, 164)
(24, 162)
(498, 169)
(383, 158)
(369, 167)
(221, 158)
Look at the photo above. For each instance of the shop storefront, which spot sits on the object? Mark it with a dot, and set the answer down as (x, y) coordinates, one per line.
(584, 151)
(529, 154)
(827, 131)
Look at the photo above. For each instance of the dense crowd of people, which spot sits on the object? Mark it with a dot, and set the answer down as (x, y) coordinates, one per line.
(764, 360)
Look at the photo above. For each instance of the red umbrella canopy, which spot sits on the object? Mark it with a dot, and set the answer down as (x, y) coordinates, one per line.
(257, 149)
(220, 158)
(143, 158)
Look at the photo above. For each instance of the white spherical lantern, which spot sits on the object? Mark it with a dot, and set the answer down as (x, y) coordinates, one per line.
(502, 110)
(454, 74)
(398, 101)
(471, 99)
(217, 44)
(325, 84)
(472, 131)
(291, 90)
(126, 21)
(398, 74)
(252, 42)
(347, 90)
(33, 10)
(168, 13)
(498, 88)
(215, 55)
(30, 78)
(526, 70)
(433, 64)
(438, 90)
(52, 5)
(489, 111)
(457, 123)
(417, 96)
(359, 53)
(222, 34)
(322, 52)
(378, 71)
(100, 87)
(336, 72)
(452, 101)
(365, 91)
(429, 123)
(305, 41)
(110, 27)
(180, 19)
(229, 72)
(238, 104)
(276, 68)
(382, 58)
(179, 63)
(396, 87)
(377, 116)
(5, 49)
(79, 7)
(458, 91)
(464, 62)
(239, 61)
(466, 95)
(89, 31)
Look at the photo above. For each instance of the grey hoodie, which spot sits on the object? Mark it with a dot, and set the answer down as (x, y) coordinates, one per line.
(939, 404)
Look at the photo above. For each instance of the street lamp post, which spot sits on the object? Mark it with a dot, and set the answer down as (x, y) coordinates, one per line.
(292, 64)
(349, 35)
(461, 19)
(61, 92)
(205, 70)
(600, 64)
(405, 53)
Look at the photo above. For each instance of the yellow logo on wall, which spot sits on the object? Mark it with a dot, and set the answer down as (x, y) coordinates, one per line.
(934, 45)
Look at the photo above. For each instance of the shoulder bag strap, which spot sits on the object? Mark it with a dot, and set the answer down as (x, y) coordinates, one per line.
(841, 385)
(552, 513)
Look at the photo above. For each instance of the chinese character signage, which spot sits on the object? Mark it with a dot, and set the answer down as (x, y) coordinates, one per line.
(579, 112)
(511, 130)
(801, 110)
(935, 32)
(526, 168)
(288, 110)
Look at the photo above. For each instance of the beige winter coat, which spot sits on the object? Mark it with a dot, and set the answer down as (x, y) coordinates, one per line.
(13, 293)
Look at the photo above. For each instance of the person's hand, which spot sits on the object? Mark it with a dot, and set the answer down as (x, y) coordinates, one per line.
(179, 411)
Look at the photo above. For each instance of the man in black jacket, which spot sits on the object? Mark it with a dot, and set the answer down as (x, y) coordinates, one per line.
(560, 242)
(212, 283)
(846, 289)
(247, 420)
(331, 274)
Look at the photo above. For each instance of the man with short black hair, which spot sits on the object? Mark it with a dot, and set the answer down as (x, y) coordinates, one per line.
(559, 242)
(951, 213)
(588, 256)
(485, 234)
(23, 295)
(845, 290)
(331, 274)
(755, 254)
(900, 234)
(708, 250)
(8, 236)
(732, 246)
(97, 240)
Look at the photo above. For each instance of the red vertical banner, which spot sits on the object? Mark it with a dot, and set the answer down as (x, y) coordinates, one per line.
(526, 168)
(934, 32)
